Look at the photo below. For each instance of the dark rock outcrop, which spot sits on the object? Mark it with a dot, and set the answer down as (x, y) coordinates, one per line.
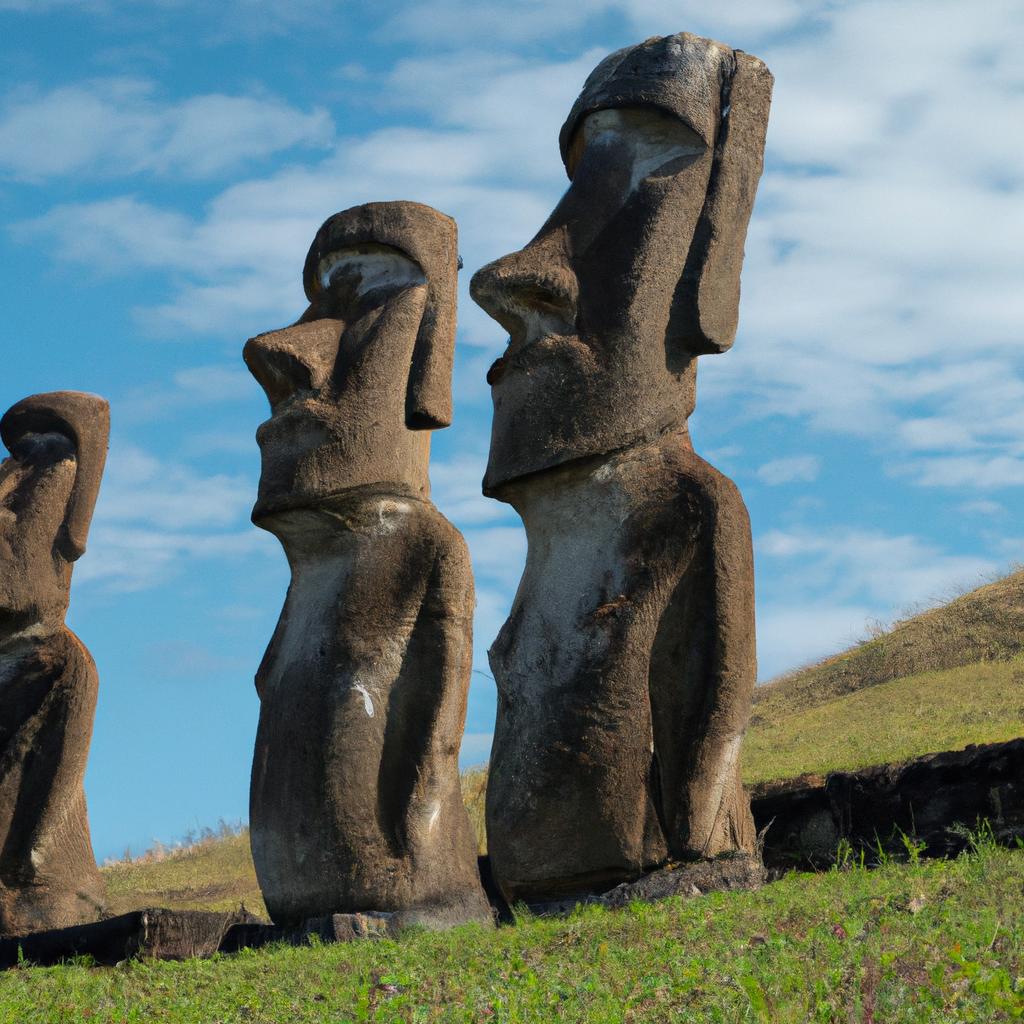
(933, 800)
(159, 934)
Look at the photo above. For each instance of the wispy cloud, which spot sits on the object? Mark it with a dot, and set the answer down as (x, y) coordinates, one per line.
(789, 636)
(154, 517)
(189, 388)
(237, 265)
(118, 127)
(847, 564)
(881, 294)
(788, 470)
(820, 588)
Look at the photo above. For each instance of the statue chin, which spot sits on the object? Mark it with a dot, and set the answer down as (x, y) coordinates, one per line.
(530, 435)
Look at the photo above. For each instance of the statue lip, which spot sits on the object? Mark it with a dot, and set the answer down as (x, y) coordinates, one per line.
(294, 409)
(524, 355)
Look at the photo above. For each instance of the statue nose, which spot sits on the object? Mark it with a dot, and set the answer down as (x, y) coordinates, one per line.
(297, 358)
(518, 287)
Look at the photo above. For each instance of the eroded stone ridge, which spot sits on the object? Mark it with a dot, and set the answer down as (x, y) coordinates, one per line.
(936, 800)
(626, 667)
(355, 803)
(48, 681)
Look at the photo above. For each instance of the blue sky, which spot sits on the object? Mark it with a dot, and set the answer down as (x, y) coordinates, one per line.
(164, 165)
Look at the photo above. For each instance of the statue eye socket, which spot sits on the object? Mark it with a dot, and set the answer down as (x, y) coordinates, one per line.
(48, 445)
(352, 274)
(649, 139)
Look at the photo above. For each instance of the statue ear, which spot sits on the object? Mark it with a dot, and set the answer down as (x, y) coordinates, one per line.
(705, 307)
(428, 401)
(84, 420)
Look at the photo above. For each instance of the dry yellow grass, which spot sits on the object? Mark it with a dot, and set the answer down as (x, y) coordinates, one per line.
(983, 625)
(215, 873)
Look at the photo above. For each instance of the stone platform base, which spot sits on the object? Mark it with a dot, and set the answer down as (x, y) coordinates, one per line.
(164, 934)
(180, 934)
(691, 878)
(333, 928)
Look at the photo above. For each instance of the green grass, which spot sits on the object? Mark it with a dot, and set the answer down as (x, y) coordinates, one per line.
(887, 722)
(935, 941)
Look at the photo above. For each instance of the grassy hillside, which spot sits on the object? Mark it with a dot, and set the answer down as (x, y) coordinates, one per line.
(983, 625)
(940, 941)
(215, 873)
(893, 721)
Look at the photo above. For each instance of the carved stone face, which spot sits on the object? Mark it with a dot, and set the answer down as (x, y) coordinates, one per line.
(48, 488)
(344, 402)
(603, 342)
(337, 406)
(587, 302)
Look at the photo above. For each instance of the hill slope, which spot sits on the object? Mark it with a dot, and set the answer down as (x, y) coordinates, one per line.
(889, 722)
(983, 625)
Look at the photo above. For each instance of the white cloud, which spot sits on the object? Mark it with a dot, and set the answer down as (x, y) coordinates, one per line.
(138, 558)
(139, 488)
(970, 471)
(791, 469)
(153, 517)
(223, 22)
(881, 292)
(867, 567)
(193, 386)
(982, 507)
(499, 554)
(456, 490)
(237, 266)
(819, 589)
(118, 127)
(458, 23)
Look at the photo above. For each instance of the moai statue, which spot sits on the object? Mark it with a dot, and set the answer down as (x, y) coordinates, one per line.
(626, 667)
(48, 682)
(355, 802)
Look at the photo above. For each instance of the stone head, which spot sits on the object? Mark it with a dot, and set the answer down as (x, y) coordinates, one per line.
(359, 381)
(48, 489)
(636, 272)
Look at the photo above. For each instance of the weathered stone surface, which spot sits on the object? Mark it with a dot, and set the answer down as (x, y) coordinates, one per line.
(626, 667)
(48, 682)
(156, 933)
(728, 873)
(925, 799)
(355, 802)
(723, 874)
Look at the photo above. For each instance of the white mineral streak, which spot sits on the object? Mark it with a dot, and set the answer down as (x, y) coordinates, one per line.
(367, 700)
(390, 515)
(435, 812)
